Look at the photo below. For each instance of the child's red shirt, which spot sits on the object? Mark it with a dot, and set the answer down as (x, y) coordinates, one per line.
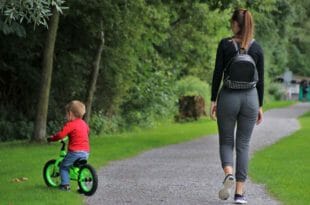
(78, 132)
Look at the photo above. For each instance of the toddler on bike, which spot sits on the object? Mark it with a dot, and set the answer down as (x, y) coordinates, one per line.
(77, 131)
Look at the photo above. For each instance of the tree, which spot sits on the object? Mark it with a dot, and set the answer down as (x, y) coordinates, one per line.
(46, 78)
(94, 77)
(36, 12)
(194, 33)
(13, 14)
(148, 46)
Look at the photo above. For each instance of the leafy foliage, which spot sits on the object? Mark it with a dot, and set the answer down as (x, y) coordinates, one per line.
(193, 86)
(276, 91)
(30, 11)
(154, 52)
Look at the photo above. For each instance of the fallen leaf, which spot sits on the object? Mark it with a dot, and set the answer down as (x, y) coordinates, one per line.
(16, 180)
(20, 179)
(24, 179)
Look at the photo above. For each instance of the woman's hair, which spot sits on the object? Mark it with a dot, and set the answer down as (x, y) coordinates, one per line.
(246, 24)
(76, 107)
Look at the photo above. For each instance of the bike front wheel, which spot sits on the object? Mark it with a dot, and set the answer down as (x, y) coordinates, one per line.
(51, 174)
(88, 180)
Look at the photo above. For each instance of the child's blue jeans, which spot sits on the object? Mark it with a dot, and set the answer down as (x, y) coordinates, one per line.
(67, 163)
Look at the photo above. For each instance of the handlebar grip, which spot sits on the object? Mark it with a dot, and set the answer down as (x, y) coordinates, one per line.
(63, 144)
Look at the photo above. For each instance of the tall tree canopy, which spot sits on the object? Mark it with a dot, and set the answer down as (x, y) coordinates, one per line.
(149, 45)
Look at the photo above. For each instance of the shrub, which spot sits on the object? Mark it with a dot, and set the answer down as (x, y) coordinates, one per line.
(193, 86)
(99, 123)
(276, 91)
(18, 130)
(152, 98)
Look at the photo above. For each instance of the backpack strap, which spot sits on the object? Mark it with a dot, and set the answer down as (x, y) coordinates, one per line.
(237, 47)
(252, 41)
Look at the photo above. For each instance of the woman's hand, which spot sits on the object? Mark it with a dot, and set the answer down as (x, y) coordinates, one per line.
(213, 110)
(260, 116)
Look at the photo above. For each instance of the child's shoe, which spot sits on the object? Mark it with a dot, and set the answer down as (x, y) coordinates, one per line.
(64, 187)
(80, 191)
(228, 183)
(240, 199)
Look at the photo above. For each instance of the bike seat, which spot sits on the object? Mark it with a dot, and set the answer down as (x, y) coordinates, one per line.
(79, 162)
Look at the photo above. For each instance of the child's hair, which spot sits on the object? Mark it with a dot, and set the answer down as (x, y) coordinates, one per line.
(76, 107)
(246, 23)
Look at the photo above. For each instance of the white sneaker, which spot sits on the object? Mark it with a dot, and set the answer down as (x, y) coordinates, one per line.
(240, 199)
(228, 183)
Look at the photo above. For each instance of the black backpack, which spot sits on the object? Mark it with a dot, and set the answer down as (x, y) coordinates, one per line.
(241, 72)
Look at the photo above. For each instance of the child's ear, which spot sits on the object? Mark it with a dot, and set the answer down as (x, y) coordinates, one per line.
(69, 114)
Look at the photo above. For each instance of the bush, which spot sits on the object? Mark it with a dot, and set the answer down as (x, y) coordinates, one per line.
(276, 91)
(193, 86)
(54, 126)
(18, 130)
(99, 123)
(151, 99)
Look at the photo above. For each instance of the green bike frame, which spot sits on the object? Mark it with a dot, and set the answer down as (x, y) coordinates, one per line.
(73, 171)
(80, 171)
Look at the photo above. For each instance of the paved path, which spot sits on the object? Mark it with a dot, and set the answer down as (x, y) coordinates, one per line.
(187, 173)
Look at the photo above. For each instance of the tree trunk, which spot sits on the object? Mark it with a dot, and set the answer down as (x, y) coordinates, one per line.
(39, 133)
(93, 78)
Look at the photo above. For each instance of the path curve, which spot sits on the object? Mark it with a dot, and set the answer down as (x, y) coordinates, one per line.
(188, 173)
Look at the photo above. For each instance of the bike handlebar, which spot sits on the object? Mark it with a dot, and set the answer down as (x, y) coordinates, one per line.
(63, 145)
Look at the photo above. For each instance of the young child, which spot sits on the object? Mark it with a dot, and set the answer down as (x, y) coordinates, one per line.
(78, 147)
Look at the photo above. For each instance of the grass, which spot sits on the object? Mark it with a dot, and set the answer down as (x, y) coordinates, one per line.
(277, 104)
(20, 159)
(285, 166)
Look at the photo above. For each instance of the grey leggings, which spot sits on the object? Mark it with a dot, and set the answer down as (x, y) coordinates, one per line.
(236, 108)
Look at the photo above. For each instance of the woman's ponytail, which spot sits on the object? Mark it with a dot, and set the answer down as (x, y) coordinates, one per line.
(246, 24)
(248, 29)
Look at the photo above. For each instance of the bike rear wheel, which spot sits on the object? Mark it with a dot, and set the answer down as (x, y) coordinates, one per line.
(88, 180)
(51, 174)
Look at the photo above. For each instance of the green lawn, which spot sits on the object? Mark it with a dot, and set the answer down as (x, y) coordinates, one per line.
(285, 167)
(277, 104)
(20, 159)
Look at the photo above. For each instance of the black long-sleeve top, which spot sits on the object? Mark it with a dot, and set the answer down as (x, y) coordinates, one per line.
(225, 52)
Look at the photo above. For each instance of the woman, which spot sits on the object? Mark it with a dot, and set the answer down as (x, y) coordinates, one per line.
(237, 108)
